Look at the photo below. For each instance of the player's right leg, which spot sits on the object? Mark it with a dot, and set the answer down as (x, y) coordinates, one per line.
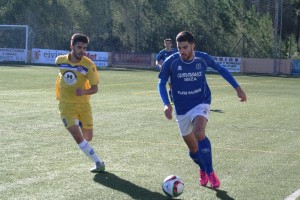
(69, 118)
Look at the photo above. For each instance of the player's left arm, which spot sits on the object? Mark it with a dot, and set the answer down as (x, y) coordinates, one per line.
(241, 94)
(91, 85)
(92, 90)
(230, 79)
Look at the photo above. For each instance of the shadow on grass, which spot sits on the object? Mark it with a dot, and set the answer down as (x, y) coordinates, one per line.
(216, 110)
(134, 191)
(221, 194)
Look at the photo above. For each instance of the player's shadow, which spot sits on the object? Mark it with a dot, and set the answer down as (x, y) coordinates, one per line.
(222, 194)
(134, 191)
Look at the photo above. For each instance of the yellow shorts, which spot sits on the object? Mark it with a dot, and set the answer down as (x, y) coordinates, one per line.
(76, 114)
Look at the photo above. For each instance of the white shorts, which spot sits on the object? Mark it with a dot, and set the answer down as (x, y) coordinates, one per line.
(185, 122)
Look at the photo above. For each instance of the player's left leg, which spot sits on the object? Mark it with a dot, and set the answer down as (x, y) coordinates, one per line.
(192, 144)
(86, 120)
(204, 145)
(186, 130)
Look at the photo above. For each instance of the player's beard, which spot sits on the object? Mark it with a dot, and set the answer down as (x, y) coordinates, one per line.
(77, 55)
(187, 57)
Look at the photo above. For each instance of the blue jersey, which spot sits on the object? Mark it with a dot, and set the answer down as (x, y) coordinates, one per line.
(163, 54)
(189, 85)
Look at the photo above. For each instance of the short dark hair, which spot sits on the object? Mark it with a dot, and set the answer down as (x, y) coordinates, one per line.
(185, 36)
(79, 37)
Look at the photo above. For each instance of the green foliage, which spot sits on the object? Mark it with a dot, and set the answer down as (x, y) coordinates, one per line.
(289, 48)
(141, 26)
(259, 35)
(296, 4)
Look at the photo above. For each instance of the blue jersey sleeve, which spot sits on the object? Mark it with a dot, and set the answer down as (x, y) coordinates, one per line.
(163, 91)
(159, 56)
(223, 71)
(227, 76)
(163, 76)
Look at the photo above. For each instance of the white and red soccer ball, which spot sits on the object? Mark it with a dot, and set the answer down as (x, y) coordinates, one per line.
(173, 186)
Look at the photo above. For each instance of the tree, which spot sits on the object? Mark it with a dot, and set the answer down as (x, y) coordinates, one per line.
(221, 27)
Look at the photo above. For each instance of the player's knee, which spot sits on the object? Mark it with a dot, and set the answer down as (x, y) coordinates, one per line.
(88, 138)
(193, 149)
(87, 134)
(200, 136)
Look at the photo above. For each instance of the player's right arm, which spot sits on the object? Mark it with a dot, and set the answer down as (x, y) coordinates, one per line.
(57, 86)
(168, 111)
(158, 64)
(164, 96)
(163, 79)
(159, 60)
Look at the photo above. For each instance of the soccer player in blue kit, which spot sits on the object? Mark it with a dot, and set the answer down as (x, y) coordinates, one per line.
(192, 98)
(166, 52)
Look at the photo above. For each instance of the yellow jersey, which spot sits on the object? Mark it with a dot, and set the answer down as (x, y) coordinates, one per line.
(82, 74)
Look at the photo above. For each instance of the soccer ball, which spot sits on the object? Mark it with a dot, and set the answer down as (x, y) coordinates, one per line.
(173, 186)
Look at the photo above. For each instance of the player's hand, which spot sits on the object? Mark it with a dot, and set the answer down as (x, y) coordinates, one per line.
(241, 94)
(79, 92)
(168, 111)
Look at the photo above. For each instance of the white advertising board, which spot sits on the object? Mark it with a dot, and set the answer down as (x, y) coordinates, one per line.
(45, 56)
(12, 55)
(231, 63)
(48, 56)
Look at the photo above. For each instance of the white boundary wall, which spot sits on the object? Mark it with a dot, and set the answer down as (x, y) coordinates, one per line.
(48, 56)
(13, 55)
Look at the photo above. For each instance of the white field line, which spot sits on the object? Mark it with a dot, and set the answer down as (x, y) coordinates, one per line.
(216, 86)
(293, 196)
(137, 83)
(123, 84)
(219, 148)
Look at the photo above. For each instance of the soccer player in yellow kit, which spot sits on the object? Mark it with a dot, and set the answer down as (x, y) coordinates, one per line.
(77, 80)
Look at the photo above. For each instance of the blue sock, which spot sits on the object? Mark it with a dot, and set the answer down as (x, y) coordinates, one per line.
(205, 154)
(195, 157)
